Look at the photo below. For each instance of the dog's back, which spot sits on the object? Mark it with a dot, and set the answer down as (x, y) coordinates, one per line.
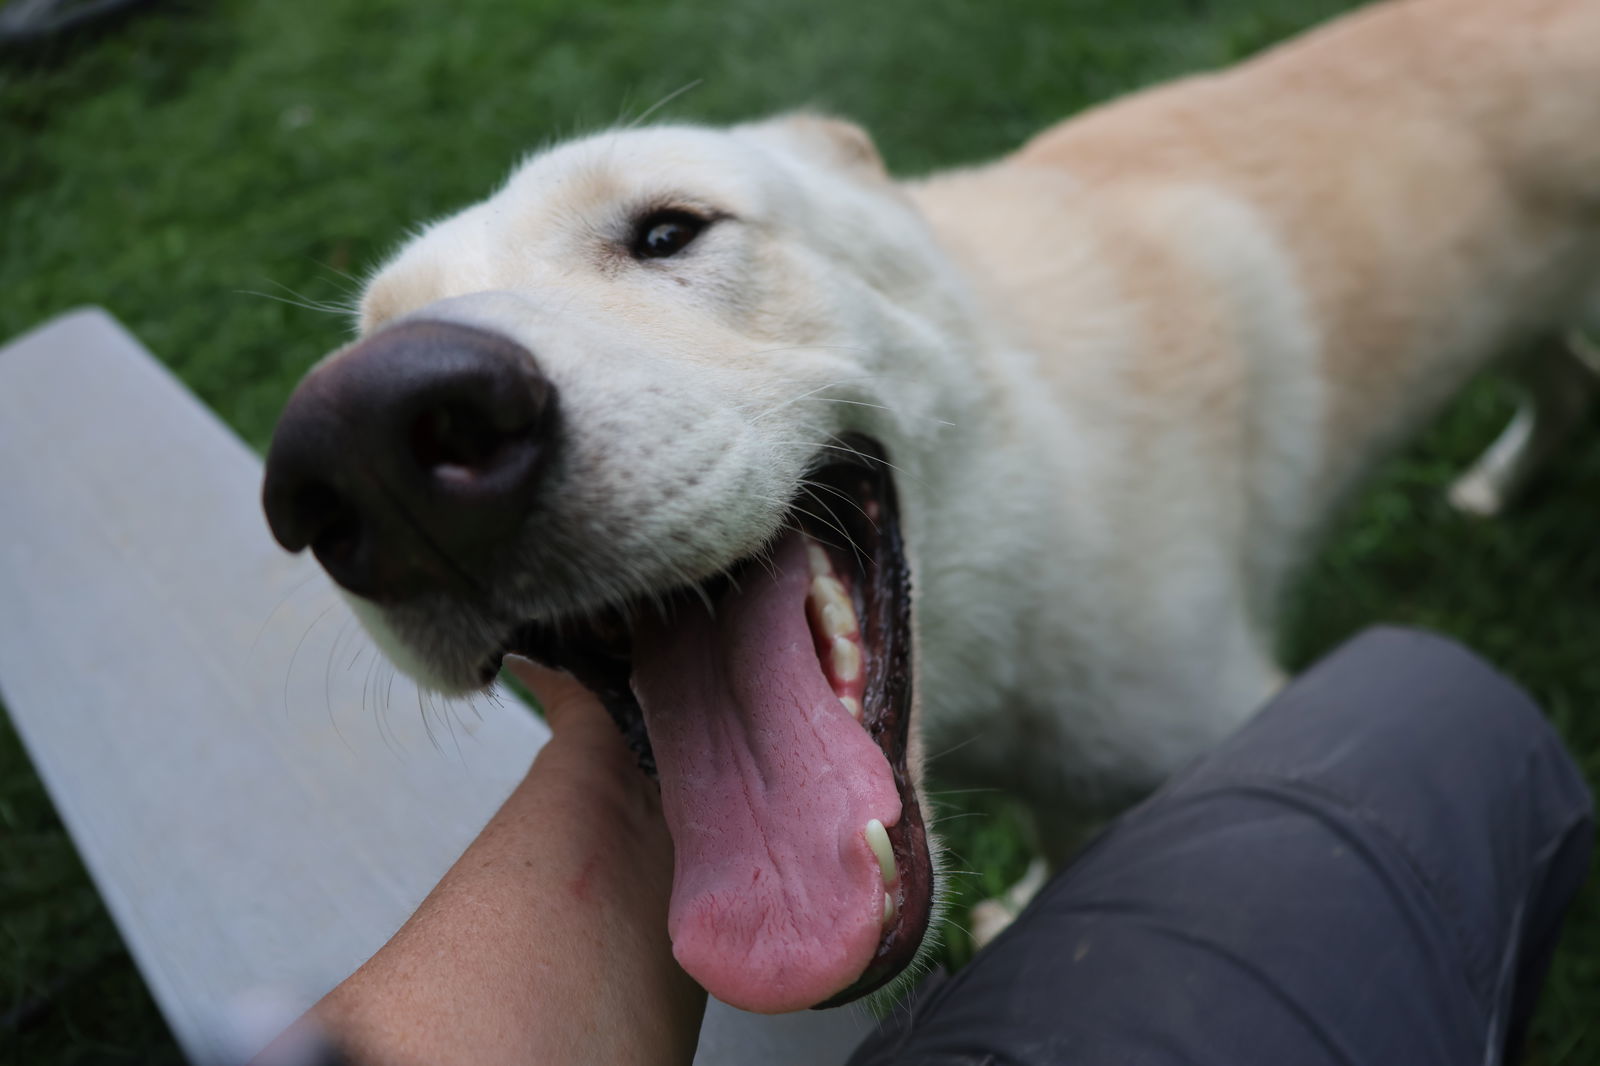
(1240, 289)
(1337, 233)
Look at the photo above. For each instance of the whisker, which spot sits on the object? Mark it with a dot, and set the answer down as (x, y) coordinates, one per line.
(327, 671)
(388, 691)
(832, 521)
(883, 407)
(869, 460)
(810, 484)
(282, 602)
(955, 748)
(663, 102)
(809, 348)
(366, 683)
(381, 720)
(449, 716)
(289, 670)
(298, 299)
(353, 284)
(705, 598)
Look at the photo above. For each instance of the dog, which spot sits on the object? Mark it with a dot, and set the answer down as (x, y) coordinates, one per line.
(805, 470)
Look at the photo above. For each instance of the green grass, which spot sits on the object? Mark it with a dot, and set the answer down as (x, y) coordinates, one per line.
(203, 152)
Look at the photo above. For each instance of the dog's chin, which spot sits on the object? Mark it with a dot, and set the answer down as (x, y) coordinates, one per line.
(774, 703)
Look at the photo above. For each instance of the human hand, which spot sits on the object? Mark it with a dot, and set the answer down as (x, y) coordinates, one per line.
(547, 941)
(590, 778)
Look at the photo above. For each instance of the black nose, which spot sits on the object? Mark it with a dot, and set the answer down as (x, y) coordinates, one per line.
(408, 461)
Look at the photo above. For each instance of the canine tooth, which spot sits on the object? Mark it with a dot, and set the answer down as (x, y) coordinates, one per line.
(846, 659)
(878, 840)
(820, 564)
(888, 908)
(852, 705)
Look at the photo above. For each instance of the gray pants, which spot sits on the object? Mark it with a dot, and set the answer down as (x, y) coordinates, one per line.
(1373, 871)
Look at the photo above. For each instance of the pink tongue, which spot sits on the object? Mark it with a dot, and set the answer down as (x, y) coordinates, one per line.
(768, 784)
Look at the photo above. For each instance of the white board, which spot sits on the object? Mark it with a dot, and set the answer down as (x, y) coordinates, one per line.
(260, 801)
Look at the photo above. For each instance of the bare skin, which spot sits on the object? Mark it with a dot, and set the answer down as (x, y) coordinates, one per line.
(546, 942)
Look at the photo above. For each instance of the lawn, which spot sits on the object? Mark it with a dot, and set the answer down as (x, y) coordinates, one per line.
(216, 174)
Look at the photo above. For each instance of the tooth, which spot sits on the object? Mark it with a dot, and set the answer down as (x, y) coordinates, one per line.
(818, 559)
(833, 604)
(826, 589)
(878, 840)
(838, 620)
(852, 705)
(888, 908)
(846, 659)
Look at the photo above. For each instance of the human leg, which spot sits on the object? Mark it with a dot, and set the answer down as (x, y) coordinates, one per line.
(1371, 871)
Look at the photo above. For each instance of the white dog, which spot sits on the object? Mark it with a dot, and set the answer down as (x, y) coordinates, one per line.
(812, 469)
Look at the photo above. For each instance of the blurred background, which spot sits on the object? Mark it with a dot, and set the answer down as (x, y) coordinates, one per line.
(221, 175)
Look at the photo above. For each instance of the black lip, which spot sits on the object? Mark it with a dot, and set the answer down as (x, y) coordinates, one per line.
(886, 618)
(597, 651)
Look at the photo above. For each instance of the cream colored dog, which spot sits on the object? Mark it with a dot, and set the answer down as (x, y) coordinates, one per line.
(814, 470)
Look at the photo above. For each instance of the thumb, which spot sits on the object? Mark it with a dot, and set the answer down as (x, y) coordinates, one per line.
(565, 701)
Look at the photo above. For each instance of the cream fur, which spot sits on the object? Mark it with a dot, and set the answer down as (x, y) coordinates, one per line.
(1125, 373)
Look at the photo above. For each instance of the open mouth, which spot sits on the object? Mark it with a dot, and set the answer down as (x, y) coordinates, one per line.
(773, 702)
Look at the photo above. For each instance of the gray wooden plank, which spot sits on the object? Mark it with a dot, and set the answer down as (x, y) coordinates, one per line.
(259, 800)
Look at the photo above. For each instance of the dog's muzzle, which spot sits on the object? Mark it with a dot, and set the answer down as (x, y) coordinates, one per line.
(411, 454)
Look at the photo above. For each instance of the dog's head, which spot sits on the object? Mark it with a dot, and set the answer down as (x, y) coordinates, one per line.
(628, 417)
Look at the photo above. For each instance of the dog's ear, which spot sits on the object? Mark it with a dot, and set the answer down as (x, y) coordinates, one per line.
(828, 140)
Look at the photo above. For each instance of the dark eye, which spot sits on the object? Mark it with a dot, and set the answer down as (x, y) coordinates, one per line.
(663, 233)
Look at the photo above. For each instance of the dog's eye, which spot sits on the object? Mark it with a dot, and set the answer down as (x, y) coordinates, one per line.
(663, 233)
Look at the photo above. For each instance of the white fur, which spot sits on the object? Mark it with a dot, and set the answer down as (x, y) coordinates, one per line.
(1120, 407)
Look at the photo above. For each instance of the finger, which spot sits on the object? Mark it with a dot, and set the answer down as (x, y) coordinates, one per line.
(559, 693)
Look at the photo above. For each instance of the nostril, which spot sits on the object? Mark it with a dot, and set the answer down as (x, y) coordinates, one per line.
(329, 524)
(407, 460)
(456, 443)
(451, 436)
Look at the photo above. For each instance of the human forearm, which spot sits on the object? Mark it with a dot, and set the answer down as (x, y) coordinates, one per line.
(546, 942)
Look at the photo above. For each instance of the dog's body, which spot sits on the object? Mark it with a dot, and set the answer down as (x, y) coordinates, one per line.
(1123, 375)
(1227, 297)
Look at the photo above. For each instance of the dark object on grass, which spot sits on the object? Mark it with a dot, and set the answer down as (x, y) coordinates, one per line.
(28, 22)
